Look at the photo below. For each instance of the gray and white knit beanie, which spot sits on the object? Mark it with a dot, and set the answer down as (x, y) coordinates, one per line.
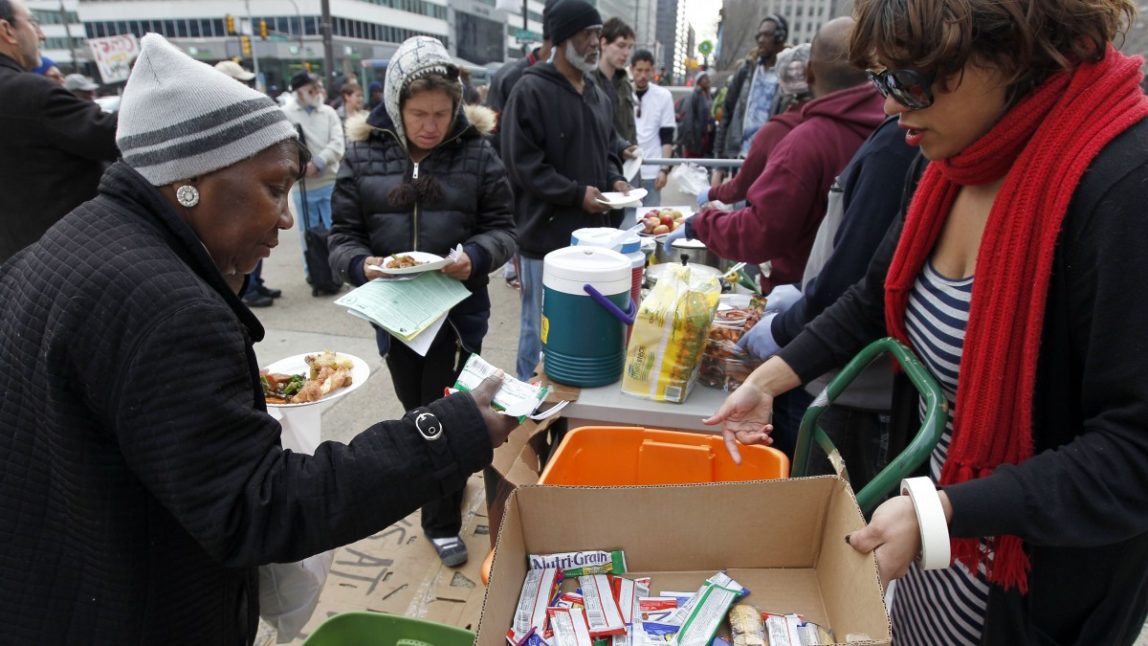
(180, 118)
(417, 57)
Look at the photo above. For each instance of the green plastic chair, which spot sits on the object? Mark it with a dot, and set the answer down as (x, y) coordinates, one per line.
(919, 448)
(377, 629)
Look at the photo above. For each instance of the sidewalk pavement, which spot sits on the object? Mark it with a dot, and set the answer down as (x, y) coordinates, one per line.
(409, 579)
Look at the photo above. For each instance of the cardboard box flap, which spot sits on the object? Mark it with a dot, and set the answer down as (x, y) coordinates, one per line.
(715, 520)
(866, 614)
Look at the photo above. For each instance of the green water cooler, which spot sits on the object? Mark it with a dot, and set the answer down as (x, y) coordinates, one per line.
(586, 308)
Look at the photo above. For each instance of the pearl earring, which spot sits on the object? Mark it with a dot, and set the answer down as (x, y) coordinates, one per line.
(187, 195)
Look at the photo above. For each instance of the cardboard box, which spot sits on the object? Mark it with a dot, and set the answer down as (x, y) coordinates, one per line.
(782, 539)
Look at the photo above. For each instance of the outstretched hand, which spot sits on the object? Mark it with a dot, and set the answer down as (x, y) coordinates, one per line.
(745, 417)
(498, 425)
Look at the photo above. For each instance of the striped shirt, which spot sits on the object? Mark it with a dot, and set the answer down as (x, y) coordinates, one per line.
(939, 606)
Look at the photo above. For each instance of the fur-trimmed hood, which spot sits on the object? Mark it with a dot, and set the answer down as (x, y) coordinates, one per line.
(360, 126)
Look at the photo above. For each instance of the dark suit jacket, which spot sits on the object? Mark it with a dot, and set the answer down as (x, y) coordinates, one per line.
(54, 145)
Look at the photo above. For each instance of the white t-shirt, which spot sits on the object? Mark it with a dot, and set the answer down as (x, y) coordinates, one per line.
(652, 112)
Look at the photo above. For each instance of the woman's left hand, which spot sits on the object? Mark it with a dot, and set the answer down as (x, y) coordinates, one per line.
(894, 535)
(459, 269)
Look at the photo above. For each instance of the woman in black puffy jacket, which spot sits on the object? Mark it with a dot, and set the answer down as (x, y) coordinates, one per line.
(419, 175)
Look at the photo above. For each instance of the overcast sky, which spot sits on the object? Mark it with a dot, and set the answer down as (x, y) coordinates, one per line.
(703, 15)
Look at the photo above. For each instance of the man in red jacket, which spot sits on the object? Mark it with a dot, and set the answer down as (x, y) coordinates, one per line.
(788, 199)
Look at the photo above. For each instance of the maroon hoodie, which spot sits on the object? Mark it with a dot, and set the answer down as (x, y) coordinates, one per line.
(788, 199)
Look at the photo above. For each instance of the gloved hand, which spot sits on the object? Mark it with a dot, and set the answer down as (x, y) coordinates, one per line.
(703, 198)
(782, 298)
(759, 340)
(676, 234)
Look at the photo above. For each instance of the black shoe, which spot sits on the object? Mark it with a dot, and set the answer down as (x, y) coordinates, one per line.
(451, 551)
(268, 292)
(258, 300)
(319, 291)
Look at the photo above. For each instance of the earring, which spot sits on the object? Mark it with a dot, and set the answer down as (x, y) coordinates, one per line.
(187, 195)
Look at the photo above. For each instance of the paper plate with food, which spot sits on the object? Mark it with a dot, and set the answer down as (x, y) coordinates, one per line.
(312, 378)
(619, 200)
(410, 262)
(660, 221)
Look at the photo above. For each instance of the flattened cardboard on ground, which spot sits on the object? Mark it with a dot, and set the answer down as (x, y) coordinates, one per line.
(396, 571)
(782, 539)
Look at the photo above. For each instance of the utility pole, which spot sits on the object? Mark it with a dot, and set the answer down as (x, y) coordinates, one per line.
(254, 56)
(328, 46)
(68, 34)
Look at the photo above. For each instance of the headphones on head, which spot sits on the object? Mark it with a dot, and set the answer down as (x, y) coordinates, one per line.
(782, 31)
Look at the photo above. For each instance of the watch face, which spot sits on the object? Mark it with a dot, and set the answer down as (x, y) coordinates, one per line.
(429, 426)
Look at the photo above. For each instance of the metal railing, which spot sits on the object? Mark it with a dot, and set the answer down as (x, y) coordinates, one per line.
(708, 163)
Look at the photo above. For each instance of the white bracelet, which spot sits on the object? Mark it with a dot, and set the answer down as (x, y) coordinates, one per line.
(935, 549)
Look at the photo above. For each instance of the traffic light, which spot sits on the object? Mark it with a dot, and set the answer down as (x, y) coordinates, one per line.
(229, 20)
(263, 29)
(245, 45)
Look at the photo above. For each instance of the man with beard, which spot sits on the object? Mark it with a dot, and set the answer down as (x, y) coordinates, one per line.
(655, 125)
(557, 131)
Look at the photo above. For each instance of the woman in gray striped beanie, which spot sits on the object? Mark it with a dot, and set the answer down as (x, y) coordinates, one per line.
(212, 148)
(143, 479)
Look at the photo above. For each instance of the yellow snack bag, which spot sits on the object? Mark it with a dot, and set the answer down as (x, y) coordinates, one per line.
(669, 336)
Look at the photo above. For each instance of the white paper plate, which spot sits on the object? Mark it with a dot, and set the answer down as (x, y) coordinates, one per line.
(298, 365)
(618, 200)
(631, 167)
(430, 262)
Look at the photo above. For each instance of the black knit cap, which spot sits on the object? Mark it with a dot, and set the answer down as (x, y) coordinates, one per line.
(568, 17)
(302, 79)
(546, 11)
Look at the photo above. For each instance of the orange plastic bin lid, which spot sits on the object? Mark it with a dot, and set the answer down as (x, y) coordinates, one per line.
(618, 456)
(626, 455)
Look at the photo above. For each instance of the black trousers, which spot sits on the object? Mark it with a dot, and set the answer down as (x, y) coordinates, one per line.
(419, 381)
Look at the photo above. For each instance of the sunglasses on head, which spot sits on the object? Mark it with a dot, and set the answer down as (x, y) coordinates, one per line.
(910, 88)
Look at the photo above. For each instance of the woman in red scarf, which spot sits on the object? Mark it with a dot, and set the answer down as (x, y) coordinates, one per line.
(1016, 274)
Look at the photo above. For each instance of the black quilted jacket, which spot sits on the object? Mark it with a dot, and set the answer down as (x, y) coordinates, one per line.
(141, 480)
(474, 208)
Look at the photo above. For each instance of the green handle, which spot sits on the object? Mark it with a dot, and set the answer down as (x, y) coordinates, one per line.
(918, 450)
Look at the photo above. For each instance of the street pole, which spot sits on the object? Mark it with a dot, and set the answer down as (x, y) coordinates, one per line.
(328, 46)
(251, 28)
(68, 35)
(299, 14)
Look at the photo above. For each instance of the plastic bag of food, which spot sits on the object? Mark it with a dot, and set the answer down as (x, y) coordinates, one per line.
(669, 335)
(724, 365)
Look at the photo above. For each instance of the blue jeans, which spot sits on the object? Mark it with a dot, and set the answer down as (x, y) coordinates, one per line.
(318, 212)
(653, 195)
(254, 281)
(529, 342)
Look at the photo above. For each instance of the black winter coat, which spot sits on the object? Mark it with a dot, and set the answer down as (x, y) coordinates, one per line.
(555, 143)
(143, 480)
(55, 146)
(474, 208)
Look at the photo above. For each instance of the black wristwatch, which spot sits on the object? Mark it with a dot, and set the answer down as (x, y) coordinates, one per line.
(430, 428)
(667, 169)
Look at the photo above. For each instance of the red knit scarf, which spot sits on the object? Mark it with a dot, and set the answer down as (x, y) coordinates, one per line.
(1041, 147)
